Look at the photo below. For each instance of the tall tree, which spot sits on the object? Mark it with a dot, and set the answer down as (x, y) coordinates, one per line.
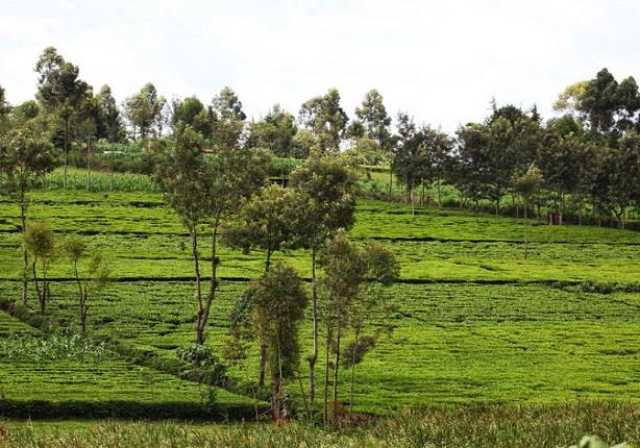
(528, 186)
(345, 269)
(228, 119)
(266, 222)
(276, 132)
(327, 204)
(144, 111)
(109, 122)
(279, 300)
(375, 119)
(61, 92)
(25, 155)
(325, 117)
(191, 112)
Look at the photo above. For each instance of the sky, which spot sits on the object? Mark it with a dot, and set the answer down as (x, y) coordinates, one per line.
(440, 61)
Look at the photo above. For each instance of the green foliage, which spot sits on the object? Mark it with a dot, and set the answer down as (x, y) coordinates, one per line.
(324, 116)
(144, 111)
(54, 347)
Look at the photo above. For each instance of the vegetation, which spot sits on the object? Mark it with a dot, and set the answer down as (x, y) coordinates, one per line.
(244, 258)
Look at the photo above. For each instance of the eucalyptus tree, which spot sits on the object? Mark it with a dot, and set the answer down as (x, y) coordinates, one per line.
(326, 118)
(345, 271)
(326, 199)
(144, 111)
(205, 190)
(98, 275)
(61, 92)
(275, 132)
(374, 118)
(39, 242)
(191, 112)
(279, 300)
(266, 221)
(26, 154)
(109, 123)
(228, 119)
(528, 186)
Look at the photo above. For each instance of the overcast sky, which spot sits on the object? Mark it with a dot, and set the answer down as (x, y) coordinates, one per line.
(441, 61)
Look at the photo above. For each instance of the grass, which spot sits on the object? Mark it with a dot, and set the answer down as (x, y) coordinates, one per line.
(487, 426)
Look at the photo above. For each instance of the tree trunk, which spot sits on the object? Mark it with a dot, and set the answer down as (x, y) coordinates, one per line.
(25, 255)
(336, 368)
(198, 284)
(390, 178)
(314, 355)
(353, 373)
(213, 284)
(326, 378)
(263, 345)
(67, 131)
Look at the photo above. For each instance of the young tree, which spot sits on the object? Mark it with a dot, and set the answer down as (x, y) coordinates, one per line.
(279, 300)
(326, 205)
(528, 186)
(61, 92)
(345, 270)
(266, 222)
(382, 269)
(98, 272)
(324, 116)
(39, 242)
(25, 155)
(144, 110)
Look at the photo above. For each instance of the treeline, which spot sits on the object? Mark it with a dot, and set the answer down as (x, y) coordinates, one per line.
(587, 157)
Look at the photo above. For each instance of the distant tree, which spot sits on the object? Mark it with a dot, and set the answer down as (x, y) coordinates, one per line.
(304, 143)
(39, 242)
(616, 185)
(411, 158)
(4, 105)
(191, 112)
(528, 186)
(228, 119)
(324, 116)
(375, 120)
(144, 111)
(25, 155)
(97, 270)
(275, 132)
(279, 300)
(62, 92)
(109, 122)
(327, 204)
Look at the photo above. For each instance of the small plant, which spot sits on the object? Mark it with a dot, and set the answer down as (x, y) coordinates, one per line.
(206, 368)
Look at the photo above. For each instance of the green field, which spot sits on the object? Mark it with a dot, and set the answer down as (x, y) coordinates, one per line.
(473, 321)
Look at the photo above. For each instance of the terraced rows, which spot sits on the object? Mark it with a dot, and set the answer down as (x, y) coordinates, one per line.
(459, 334)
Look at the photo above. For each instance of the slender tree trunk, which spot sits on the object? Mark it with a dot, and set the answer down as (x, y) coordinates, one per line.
(314, 310)
(263, 343)
(213, 284)
(353, 372)
(36, 283)
(25, 254)
(198, 284)
(336, 368)
(326, 378)
(390, 179)
(67, 126)
(439, 187)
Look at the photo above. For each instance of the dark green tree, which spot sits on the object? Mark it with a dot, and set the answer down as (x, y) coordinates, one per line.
(109, 121)
(275, 132)
(324, 116)
(144, 111)
(326, 204)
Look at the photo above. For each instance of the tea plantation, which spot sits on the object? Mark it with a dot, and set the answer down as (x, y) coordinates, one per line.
(472, 320)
